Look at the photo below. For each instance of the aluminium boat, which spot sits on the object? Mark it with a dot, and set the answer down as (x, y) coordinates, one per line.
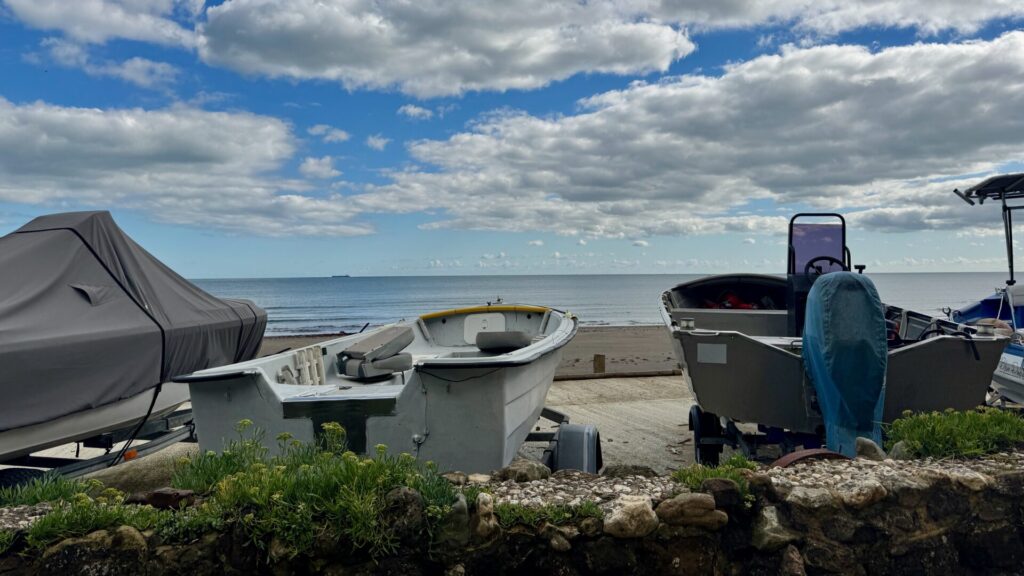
(462, 388)
(740, 341)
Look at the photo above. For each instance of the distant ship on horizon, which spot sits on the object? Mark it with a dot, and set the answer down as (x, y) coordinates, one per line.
(341, 276)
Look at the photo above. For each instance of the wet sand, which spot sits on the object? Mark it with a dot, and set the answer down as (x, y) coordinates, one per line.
(627, 350)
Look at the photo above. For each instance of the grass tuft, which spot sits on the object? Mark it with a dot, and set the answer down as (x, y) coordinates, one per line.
(693, 476)
(6, 541)
(516, 514)
(82, 515)
(952, 434)
(46, 488)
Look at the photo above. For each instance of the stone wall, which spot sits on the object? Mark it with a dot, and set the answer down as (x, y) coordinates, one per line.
(824, 517)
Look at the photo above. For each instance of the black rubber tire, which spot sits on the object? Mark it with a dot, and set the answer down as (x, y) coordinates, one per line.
(11, 477)
(705, 425)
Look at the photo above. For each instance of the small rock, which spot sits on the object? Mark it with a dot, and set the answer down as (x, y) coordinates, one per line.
(624, 470)
(455, 527)
(122, 551)
(792, 562)
(478, 478)
(591, 526)
(633, 518)
(404, 513)
(523, 470)
(278, 550)
(868, 449)
(457, 478)
(484, 524)
(692, 509)
(974, 481)
(559, 543)
(164, 498)
(810, 497)
(725, 492)
(900, 451)
(769, 534)
(686, 504)
(457, 570)
(863, 493)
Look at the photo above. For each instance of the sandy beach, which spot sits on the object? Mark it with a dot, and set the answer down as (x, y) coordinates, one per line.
(627, 350)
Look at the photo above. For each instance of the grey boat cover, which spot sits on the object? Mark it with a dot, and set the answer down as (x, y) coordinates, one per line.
(88, 317)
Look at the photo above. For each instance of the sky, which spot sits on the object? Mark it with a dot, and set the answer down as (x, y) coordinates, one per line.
(273, 138)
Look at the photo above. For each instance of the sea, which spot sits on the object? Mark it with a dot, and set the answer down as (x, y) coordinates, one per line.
(297, 306)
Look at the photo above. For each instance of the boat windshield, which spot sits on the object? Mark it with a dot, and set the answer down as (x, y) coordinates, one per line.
(815, 241)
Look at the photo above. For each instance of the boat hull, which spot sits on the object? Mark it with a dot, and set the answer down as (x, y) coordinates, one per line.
(758, 376)
(1008, 378)
(88, 423)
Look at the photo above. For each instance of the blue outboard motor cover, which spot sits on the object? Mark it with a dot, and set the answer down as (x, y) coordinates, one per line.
(845, 356)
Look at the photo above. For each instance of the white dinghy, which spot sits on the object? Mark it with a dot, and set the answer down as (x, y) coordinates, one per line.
(462, 388)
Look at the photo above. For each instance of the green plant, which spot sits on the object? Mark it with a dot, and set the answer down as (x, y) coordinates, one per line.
(201, 473)
(189, 523)
(516, 514)
(472, 491)
(953, 434)
(81, 515)
(308, 491)
(6, 541)
(694, 476)
(46, 488)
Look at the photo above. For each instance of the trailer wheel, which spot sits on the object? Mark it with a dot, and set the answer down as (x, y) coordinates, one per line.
(12, 477)
(705, 425)
(575, 447)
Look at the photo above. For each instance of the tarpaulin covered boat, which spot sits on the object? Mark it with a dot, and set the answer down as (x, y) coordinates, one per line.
(92, 325)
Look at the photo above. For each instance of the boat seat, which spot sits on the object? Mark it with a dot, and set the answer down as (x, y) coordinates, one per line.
(378, 355)
(502, 342)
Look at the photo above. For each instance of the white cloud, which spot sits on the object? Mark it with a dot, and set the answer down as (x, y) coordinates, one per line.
(415, 112)
(749, 241)
(581, 242)
(139, 71)
(838, 127)
(437, 48)
(179, 165)
(535, 243)
(328, 133)
(489, 256)
(444, 48)
(377, 142)
(437, 263)
(828, 17)
(641, 243)
(97, 21)
(447, 48)
(320, 168)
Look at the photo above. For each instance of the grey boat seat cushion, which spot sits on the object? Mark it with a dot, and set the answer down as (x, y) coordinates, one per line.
(502, 342)
(378, 355)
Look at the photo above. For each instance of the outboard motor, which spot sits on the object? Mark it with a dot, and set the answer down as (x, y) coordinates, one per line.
(845, 357)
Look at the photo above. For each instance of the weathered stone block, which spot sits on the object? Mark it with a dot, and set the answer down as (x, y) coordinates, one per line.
(632, 517)
(769, 534)
(725, 492)
(523, 470)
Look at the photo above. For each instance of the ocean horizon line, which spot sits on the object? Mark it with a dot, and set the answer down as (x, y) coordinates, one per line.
(377, 276)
